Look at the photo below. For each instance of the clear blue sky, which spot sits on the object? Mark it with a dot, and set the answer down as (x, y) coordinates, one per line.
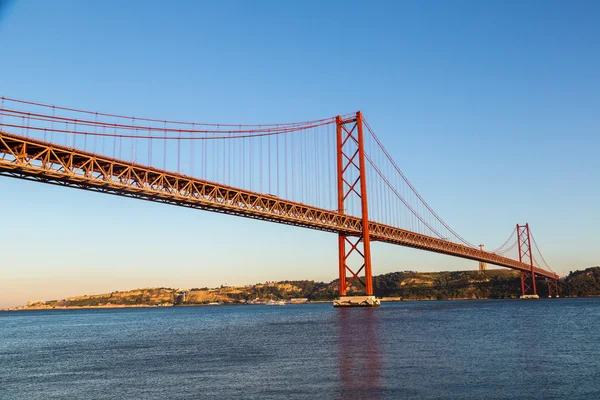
(491, 109)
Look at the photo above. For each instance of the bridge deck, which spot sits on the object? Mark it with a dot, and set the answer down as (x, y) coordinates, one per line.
(31, 159)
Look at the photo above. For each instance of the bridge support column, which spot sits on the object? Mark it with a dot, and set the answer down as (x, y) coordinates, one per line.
(528, 286)
(354, 252)
(552, 287)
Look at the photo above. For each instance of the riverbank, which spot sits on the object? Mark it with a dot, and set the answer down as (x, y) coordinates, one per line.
(396, 286)
(116, 306)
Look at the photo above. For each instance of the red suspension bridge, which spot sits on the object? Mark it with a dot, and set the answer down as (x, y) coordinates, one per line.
(330, 174)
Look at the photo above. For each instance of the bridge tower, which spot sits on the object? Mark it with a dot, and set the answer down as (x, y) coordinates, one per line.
(552, 287)
(482, 265)
(528, 288)
(354, 251)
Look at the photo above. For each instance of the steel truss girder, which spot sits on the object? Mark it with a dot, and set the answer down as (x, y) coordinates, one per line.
(39, 161)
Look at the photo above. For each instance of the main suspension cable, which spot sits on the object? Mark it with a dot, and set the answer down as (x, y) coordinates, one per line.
(539, 252)
(413, 188)
(505, 243)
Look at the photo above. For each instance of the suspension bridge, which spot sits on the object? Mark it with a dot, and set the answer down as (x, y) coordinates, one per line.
(331, 174)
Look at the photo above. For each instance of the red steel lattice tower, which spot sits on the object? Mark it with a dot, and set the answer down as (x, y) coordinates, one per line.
(552, 287)
(351, 182)
(527, 277)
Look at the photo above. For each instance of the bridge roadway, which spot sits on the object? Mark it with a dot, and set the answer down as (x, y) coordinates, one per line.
(35, 160)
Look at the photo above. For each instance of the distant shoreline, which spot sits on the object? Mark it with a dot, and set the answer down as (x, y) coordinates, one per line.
(493, 284)
(384, 300)
(83, 307)
(144, 306)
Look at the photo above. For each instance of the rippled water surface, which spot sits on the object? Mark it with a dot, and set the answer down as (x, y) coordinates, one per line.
(546, 349)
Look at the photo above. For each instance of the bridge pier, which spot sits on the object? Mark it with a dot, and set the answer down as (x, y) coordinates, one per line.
(357, 301)
(528, 289)
(552, 288)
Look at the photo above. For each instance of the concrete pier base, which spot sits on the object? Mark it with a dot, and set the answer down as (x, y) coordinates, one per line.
(356, 301)
(530, 296)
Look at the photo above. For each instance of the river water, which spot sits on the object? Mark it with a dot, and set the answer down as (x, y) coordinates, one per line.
(513, 349)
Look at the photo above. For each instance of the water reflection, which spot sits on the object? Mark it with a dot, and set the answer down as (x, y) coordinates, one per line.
(359, 357)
